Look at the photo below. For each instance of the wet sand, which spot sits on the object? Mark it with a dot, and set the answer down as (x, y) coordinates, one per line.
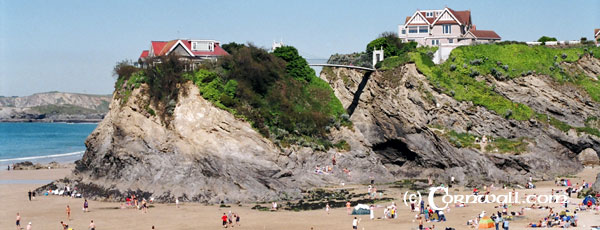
(46, 212)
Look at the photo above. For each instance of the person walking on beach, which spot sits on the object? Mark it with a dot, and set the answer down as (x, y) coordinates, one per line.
(144, 206)
(18, 221)
(224, 219)
(92, 225)
(237, 219)
(327, 208)
(348, 207)
(372, 212)
(29, 227)
(177, 202)
(85, 206)
(68, 210)
(355, 223)
(29, 194)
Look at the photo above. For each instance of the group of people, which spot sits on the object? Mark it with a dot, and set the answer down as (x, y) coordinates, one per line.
(134, 202)
(230, 219)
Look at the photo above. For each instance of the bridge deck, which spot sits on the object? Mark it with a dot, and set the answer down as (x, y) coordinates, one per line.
(344, 66)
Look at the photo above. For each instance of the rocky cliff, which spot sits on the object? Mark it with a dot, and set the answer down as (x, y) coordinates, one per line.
(403, 127)
(406, 122)
(53, 107)
(206, 154)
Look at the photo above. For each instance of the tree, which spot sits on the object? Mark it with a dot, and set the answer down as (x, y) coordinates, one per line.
(232, 47)
(545, 39)
(296, 67)
(391, 44)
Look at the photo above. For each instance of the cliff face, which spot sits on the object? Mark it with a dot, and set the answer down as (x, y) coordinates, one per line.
(205, 154)
(402, 128)
(54, 106)
(398, 111)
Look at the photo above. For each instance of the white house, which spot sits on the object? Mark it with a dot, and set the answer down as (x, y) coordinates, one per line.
(446, 26)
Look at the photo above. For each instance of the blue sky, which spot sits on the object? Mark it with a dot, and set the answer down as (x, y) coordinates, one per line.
(73, 45)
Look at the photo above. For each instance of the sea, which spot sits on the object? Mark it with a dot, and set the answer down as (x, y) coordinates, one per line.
(42, 142)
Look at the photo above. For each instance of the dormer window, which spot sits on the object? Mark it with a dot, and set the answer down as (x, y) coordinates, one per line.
(429, 14)
(203, 46)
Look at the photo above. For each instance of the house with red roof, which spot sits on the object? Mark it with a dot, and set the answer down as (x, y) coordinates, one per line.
(193, 50)
(446, 26)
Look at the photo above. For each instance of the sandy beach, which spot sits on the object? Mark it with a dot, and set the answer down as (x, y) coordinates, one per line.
(46, 212)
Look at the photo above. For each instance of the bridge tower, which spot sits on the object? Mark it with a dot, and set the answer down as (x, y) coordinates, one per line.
(377, 56)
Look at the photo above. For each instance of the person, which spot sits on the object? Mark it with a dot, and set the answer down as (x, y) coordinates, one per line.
(85, 206)
(29, 194)
(29, 227)
(8, 168)
(144, 205)
(229, 218)
(372, 212)
(355, 223)
(441, 215)
(224, 219)
(64, 226)
(327, 208)
(177, 202)
(18, 221)
(420, 222)
(505, 224)
(333, 161)
(68, 210)
(498, 221)
(237, 219)
(348, 207)
(92, 225)
(152, 226)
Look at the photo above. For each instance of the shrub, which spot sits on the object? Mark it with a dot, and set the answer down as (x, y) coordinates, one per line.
(545, 39)
(391, 44)
(452, 67)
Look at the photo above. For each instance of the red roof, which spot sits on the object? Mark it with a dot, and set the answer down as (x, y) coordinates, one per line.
(161, 48)
(596, 31)
(430, 19)
(463, 16)
(485, 34)
(144, 54)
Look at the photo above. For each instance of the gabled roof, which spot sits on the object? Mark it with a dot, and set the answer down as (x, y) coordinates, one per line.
(144, 54)
(418, 14)
(460, 17)
(487, 34)
(597, 32)
(464, 17)
(161, 48)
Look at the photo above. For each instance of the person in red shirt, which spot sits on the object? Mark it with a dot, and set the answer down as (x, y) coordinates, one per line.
(224, 218)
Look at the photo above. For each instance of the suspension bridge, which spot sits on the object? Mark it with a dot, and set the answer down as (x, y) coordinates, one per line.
(321, 62)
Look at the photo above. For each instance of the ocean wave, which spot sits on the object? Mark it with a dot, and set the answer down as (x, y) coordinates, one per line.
(42, 157)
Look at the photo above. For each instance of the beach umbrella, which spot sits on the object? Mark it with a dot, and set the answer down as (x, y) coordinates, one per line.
(486, 222)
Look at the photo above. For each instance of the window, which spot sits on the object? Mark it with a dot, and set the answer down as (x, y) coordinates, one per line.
(403, 31)
(412, 29)
(423, 29)
(450, 40)
(435, 42)
(429, 14)
(447, 29)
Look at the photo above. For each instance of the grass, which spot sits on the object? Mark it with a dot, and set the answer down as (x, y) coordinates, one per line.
(455, 77)
(342, 145)
(502, 145)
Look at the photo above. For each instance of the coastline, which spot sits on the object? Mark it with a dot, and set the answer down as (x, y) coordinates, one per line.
(78, 121)
(46, 211)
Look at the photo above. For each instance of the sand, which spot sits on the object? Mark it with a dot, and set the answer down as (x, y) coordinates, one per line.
(46, 212)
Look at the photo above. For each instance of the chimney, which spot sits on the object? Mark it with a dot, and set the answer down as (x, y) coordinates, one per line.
(473, 27)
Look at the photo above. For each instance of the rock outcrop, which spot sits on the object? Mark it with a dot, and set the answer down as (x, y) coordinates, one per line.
(396, 111)
(54, 107)
(206, 154)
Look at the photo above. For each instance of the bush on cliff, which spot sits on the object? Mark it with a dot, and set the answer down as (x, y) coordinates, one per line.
(277, 93)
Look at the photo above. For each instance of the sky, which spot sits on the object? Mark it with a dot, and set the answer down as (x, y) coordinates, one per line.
(72, 46)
